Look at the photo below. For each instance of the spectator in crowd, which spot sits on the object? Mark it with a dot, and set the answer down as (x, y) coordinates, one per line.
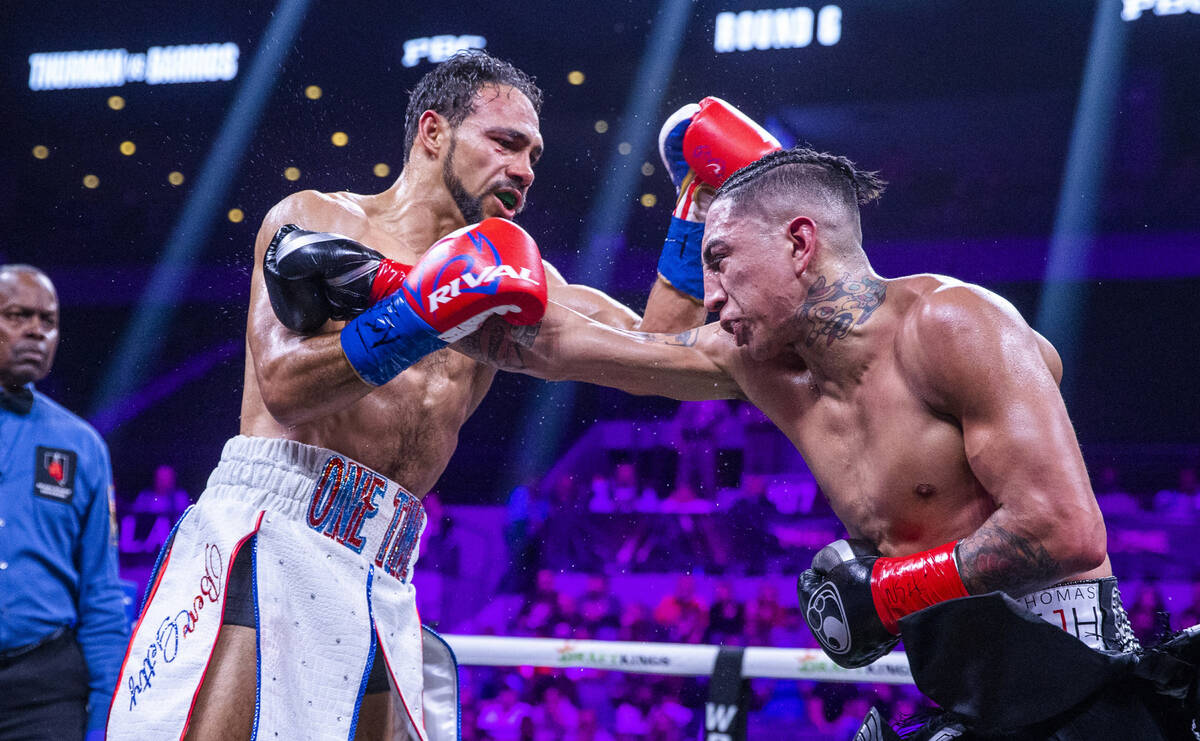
(748, 525)
(763, 439)
(1145, 613)
(1112, 498)
(555, 717)
(507, 717)
(540, 610)
(763, 614)
(684, 500)
(526, 514)
(697, 423)
(469, 711)
(567, 622)
(439, 548)
(567, 519)
(1183, 500)
(826, 703)
(164, 497)
(637, 624)
(633, 711)
(791, 630)
(1191, 614)
(681, 613)
(63, 628)
(601, 494)
(726, 618)
(854, 710)
(440, 558)
(599, 608)
(589, 727)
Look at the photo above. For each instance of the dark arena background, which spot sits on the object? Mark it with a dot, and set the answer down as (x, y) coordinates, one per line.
(1049, 151)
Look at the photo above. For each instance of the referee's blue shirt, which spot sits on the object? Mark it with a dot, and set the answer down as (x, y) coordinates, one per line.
(58, 556)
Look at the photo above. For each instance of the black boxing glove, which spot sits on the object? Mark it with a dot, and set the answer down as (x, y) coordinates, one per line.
(313, 277)
(835, 595)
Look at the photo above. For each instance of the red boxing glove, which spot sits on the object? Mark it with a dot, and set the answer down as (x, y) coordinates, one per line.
(493, 267)
(389, 277)
(900, 586)
(721, 140)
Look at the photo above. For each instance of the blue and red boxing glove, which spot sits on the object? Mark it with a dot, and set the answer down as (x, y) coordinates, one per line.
(701, 145)
(853, 598)
(493, 267)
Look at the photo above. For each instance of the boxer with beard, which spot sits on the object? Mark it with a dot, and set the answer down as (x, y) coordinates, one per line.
(283, 604)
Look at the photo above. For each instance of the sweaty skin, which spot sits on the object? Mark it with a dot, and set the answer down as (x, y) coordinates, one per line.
(926, 408)
(302, 388)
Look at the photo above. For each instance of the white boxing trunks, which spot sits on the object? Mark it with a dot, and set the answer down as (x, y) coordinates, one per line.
(333, 549)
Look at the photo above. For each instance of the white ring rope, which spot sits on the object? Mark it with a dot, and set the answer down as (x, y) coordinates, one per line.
(669, 658)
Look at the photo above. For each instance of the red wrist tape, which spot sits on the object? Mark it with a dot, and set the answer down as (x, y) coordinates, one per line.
(388, 277)
(900, 586)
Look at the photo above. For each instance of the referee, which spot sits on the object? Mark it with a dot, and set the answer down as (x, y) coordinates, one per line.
(62, 622)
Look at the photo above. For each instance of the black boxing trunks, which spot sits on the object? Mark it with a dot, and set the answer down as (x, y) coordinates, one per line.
(1059, 664)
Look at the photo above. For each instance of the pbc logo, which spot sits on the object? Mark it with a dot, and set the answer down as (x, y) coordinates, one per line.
(55, 474)
(827, 619)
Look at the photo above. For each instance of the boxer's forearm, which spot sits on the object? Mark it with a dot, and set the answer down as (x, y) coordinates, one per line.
(570, 347)
(1002, 555)
(310, 380)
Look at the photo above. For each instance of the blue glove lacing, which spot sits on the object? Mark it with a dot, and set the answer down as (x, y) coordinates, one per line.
(387, 338)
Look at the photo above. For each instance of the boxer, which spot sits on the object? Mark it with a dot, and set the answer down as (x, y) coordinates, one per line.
(929, 412)
(283, 604)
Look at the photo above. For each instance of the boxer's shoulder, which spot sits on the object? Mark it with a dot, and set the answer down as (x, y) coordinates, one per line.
(341, 213)
(952, 331)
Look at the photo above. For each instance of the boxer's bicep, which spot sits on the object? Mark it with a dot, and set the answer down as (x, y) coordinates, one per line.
(982, 365)
(299, 377)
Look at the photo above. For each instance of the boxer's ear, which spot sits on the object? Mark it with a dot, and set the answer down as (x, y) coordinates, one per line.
(433, 133)
(802, 235)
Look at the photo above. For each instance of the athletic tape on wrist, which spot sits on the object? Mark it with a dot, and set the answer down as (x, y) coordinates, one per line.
(385, 339)
(680, 262)
(901, 586)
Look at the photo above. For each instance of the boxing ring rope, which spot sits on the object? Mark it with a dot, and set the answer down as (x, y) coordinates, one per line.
(669, 658)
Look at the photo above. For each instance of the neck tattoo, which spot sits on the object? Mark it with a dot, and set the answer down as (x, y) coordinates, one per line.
(833, 309)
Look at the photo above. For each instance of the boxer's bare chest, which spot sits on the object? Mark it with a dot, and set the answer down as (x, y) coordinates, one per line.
(408, 428)
(894, 471)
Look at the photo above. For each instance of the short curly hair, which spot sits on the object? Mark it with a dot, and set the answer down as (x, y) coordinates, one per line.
(450, 87)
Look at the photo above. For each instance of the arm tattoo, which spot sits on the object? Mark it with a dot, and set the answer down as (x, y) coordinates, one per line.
(499, 344)
(993, 558)
(833, 310)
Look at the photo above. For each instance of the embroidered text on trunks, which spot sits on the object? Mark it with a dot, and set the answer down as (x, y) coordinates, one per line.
(168, 635)
(346, 495)
(342, 500)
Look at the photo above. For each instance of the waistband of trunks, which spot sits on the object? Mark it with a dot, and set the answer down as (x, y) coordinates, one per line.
(327, 492)
(1090, 609)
